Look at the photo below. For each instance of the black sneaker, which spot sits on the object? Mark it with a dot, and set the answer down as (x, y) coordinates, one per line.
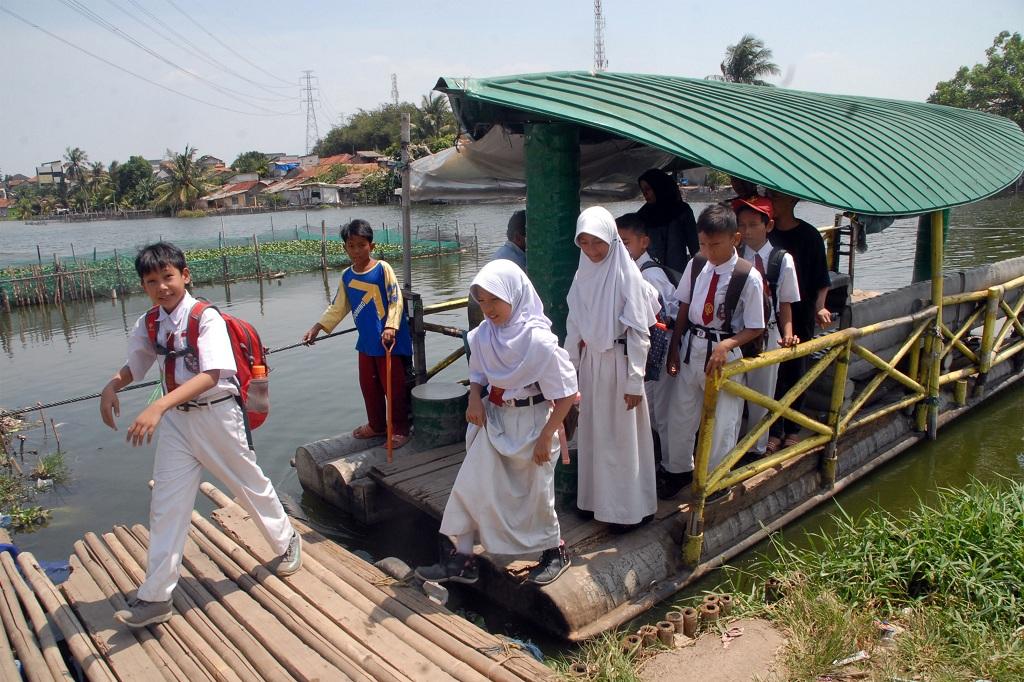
(457, 568)
(670, 484)
(553, 563)
(718, 496)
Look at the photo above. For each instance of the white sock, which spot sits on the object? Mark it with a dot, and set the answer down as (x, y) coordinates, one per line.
(464, 543)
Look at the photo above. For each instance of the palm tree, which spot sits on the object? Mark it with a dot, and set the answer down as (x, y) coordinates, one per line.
(746, 62)
(434, 117)
(188, 181)
(76, 164)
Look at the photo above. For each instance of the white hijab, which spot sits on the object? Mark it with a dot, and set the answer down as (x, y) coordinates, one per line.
(517, 353)
(607, 297)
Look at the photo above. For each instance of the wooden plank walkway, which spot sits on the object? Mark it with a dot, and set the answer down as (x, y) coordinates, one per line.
(425, 481)
(338, 618)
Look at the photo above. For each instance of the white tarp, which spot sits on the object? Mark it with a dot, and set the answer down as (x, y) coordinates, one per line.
(493, 168)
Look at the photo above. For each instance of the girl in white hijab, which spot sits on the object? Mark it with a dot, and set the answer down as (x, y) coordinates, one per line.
(607, 335)
(504, 494)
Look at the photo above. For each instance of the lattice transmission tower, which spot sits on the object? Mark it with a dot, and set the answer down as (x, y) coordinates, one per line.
(394, 88)
(309, 100)
(600, 60)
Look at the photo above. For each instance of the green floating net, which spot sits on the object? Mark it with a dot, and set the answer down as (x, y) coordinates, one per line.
(209, 261)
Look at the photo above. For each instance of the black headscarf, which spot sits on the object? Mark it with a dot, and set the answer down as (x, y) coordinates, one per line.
(669, 221)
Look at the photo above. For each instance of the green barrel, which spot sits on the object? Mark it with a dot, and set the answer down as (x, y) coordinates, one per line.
(439, 414)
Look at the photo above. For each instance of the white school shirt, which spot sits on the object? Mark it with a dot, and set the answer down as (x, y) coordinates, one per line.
(657, 277)
(749, 313)
(788, 289)
(214, 348)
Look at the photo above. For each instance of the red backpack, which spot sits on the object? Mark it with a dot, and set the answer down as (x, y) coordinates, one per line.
(246, 345)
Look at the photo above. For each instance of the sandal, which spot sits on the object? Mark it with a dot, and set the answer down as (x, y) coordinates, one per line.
(365, 431)
(398, 440)
(791, 439)
(774, 443)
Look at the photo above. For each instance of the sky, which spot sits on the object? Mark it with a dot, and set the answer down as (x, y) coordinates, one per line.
(241, 63)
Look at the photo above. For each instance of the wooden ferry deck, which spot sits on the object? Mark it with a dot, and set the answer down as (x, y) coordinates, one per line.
(338, 618)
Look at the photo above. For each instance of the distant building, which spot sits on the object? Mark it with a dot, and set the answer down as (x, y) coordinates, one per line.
(367, 156)
(5, 206)
(50, 173)
(17, 180)
(234, 195)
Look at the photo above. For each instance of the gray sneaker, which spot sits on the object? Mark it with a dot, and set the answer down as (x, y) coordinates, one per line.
(141, 613)
(291, 560)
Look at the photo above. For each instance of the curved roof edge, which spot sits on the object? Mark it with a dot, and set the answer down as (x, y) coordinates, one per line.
(867, 155)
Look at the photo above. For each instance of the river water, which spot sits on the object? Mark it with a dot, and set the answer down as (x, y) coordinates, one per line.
(58, 352)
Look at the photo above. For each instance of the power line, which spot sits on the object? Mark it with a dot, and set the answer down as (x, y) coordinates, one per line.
(187, 45)
(132, 73)
(92, 16)
(225, 46)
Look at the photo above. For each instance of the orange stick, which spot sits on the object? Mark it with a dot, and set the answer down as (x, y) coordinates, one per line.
(387, 393)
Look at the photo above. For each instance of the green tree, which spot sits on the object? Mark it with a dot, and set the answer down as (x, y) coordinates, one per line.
(996, 86)
(129, 175)
(379, 186)
(748, 61)
(186, 184)
(252, 162)
(434, 117)
(76, 165)
(376, 129)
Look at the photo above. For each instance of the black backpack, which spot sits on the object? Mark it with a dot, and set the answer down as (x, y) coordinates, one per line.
(735, 289)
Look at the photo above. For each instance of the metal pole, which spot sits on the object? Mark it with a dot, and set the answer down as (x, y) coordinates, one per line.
(938, 241)
(406, 201)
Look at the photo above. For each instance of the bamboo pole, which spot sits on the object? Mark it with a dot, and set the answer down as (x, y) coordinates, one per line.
(299, 660)
(21, 636)
(127, 659)
(406, 205)
(694, 541)
(935, 359)
(164, 662)
(323, 245)
(8, 669)
(830, 461)
(427, 619)
(188, 624)
(259, 264)
(81, 647)
(311, 626)
(264, 661)
(445, 306)
(115, 584)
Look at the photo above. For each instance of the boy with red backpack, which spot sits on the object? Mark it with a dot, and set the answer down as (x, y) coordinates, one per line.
(202, 425)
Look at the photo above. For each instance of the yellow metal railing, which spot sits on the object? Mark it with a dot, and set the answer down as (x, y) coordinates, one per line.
(916, 366)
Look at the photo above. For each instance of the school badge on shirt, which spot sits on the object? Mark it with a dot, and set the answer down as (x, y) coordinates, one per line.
(192, 362)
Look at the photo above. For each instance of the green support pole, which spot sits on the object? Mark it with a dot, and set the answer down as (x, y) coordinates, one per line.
(552, 206)
(923, 250)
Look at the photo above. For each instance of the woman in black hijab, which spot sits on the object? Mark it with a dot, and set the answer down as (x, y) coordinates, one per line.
(669, 220)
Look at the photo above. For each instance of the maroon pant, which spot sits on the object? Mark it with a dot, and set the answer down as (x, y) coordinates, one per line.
(373, 375)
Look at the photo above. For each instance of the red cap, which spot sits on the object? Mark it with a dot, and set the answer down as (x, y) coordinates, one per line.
(758, 203)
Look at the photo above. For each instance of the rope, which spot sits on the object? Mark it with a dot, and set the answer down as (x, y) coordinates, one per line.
(147, 384)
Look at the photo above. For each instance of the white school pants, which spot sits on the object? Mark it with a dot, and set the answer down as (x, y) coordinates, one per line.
(686, 407)
(763, 381)
(659, 404)
(210, 437)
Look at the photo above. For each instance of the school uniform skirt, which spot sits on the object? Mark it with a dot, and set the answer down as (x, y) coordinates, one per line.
(616, 450)
(500, 494)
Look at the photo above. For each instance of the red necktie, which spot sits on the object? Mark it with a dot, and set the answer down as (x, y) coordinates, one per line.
(169, 364)
(708, 313)
(759, 264)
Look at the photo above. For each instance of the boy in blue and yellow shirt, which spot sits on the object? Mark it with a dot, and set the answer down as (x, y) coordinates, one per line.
(370, 291)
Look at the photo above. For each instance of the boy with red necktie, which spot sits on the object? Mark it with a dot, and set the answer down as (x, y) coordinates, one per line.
(713, 336)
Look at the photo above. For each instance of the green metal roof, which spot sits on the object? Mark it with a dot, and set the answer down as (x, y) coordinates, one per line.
(871, 156)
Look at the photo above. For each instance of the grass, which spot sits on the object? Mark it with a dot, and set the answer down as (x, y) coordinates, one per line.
(604, 658)
(951, 574)
(52, 466)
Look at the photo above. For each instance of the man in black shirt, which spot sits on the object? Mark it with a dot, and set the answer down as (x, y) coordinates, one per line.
(805, 244)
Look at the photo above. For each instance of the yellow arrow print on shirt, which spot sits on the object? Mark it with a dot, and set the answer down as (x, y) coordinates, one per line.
(371, 292)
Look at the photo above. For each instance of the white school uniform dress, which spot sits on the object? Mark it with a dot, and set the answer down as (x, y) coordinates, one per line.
(763, 380)
(211, 436)
(659, 393)
(688, 396)
(500, 494)
(611, 312)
